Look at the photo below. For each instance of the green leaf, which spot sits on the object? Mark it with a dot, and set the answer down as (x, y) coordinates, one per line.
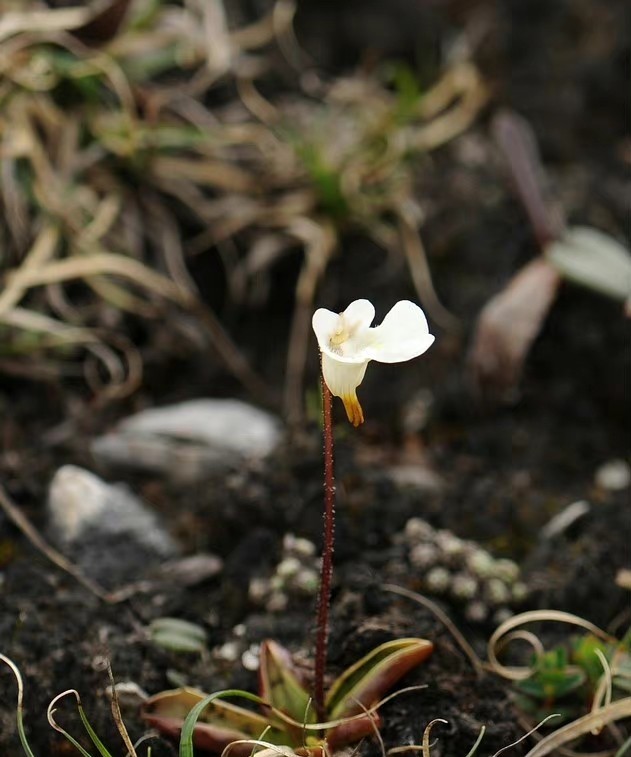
(552, 685)
(365, 682)
(19, 711)
(593, 259)
(584, 655)
(280, 685)
(103, 751)
(190, 725)
(177, 635)
(216, 723)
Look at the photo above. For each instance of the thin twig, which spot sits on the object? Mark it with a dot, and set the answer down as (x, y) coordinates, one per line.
(17, 517)
(467, 649)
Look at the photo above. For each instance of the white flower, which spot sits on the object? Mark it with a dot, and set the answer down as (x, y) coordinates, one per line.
(348, 344)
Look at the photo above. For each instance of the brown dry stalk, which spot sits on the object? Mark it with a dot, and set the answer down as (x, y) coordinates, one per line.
(17, 517)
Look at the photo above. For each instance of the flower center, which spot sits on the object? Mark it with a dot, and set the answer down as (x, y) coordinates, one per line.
(341, 334)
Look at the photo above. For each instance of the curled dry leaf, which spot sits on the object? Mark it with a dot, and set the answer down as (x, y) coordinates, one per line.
(509, 324)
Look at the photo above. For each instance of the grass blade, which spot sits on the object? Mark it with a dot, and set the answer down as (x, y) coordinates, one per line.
(19, 710)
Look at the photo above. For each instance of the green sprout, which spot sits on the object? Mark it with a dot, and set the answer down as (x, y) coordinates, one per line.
(572, 678)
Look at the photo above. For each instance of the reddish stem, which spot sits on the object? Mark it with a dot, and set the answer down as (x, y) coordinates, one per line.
(326, 570)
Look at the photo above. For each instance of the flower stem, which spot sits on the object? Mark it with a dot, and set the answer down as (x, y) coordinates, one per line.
(326, 570)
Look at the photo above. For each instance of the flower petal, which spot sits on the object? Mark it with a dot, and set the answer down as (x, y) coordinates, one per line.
(343, 378)
(360, 313)
(346, 335)
(404, 334)
(324, 323)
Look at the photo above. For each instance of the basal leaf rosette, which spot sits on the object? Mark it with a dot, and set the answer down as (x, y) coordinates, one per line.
(287, 717)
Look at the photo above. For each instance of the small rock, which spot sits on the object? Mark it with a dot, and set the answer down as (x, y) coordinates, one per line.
(250, 659)
(417, 529)
(614, 475)
(497, 592)
(188, 440)
(295, 576)
(438, 580)
(424, 555)
(105, 528)
(416, 477)
(192, 570)
(464, 586)
(476, 611)
(228, 652)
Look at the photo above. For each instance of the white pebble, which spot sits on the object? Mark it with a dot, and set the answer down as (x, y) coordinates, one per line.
(519, 591)
(306, 581)
(438, 580)
(298, 546)
(277, 602)
(464, 586)
(259, 588)
(250, 658)
(506, 570)
(424, 555)
(229, 652)
(497, 591)
(502, 615)
(449, 544)
(614, 475)
(481, 563)
(288, 567)
(476, 611)
(417, 529)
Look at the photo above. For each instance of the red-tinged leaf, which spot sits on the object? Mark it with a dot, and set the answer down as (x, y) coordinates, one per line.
(518, 142)
(280, 683)
(207, 737)
(509, 324)
(366, 682)
(220, 724)
(352, 731)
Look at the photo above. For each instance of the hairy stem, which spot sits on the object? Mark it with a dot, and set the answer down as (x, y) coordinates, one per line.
(326, 570)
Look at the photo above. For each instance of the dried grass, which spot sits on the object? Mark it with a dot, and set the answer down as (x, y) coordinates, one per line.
(105, 149)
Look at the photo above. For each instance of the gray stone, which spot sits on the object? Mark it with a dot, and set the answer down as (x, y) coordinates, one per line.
(188, 440)
(105, 528)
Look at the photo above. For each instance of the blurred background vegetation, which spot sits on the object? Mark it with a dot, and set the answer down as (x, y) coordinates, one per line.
(154, 153)
(162, 161)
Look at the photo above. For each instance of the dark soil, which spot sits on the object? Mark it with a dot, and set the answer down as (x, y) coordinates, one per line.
(506, 469)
